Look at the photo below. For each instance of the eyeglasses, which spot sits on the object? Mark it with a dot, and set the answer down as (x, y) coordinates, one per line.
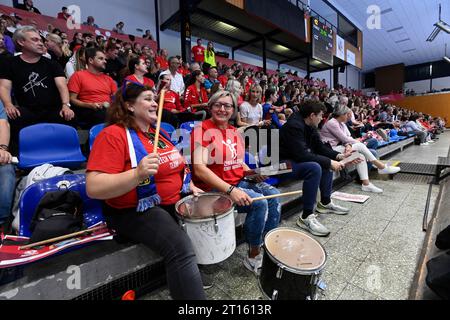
(219, 106)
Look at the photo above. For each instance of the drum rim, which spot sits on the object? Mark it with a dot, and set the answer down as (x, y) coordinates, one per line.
(212, 217)
(316, 271)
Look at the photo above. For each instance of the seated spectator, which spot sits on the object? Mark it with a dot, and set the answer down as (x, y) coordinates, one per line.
(90, 22)
(226, 174)
(54, 46)
(77, 41)
(100, 42)
(91, 90)
(64, 14)
(148, 35)
(38, 84)
(161, 60)
(119, 28)
(337, 135)
(113, 63)
(138, 69)
(225, 76)
(28, 6)
(198, 52)
(177, 82)
(196, 97)
(412, 126)
(76, 63)
(212, 78)
(270, 111)
(7, 174)
(137, 48)
(4, 53)
(313, 162)
(7, 42)
(250, 111)
(173, 109)
(139, 210)
(235, 88)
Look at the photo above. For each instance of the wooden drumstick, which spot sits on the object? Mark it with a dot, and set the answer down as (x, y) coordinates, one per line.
(158, 123)
(287, 194)
(67, 236)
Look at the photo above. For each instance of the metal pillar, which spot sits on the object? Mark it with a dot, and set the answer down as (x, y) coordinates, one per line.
(185, 30)
(157, 23)
(308, 68)
(264, 55)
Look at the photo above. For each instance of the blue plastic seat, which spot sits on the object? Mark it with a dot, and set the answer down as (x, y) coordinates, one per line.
(92, 209)
(189, 126)
(168, 128)
(51, 143)
(93, 133)
(250, 161)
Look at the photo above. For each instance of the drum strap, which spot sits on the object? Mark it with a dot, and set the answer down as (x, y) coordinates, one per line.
(146, 191)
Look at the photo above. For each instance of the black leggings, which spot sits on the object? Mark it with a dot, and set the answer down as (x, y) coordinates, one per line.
(156, 229)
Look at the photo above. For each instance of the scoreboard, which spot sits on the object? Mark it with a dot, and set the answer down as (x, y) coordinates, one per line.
(322, 42)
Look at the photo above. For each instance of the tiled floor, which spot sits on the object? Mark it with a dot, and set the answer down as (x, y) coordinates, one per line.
(372, 252)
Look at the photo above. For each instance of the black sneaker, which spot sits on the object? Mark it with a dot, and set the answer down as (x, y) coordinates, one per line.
(207, 280)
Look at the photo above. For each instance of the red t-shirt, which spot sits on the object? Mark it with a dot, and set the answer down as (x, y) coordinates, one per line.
(172, 101)
(147, 82)
(199, 53)
(92, 88)
(110, 155)
(163, 63)
(183, 71)
(226, 151)
(223, 80)
(192, 96)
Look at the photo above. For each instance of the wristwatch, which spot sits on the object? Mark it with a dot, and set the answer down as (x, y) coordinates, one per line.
(68, 105)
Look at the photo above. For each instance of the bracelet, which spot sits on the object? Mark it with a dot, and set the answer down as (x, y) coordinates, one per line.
(4, 147)
(230, 189)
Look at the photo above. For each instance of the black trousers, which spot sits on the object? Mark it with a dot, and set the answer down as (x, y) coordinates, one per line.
(158, 230)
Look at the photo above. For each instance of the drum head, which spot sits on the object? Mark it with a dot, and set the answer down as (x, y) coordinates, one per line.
(206, 205)
(295, 249)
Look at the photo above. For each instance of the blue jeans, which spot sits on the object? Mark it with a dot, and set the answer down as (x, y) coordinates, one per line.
(263, 215)
(7, 185)
(314, 177)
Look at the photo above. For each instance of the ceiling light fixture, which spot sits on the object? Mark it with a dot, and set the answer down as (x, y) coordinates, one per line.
(438, 27)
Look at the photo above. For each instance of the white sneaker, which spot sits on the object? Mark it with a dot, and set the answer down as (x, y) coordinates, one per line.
(371, 188)
(425, 144)
(313, 226)
(332, 208)
(389, 170)
(253, 264)
(431, 142)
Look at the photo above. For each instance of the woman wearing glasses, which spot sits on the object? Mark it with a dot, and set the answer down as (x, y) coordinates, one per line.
(218, 164)
(140, 188)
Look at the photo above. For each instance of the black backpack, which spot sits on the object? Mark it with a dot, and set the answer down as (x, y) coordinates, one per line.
(57, 214)
(438, 277)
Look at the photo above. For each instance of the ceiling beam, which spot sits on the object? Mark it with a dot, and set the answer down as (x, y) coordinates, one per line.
(260, 38)
(231, 23)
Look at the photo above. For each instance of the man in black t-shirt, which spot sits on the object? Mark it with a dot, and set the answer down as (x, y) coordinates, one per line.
(38, 84)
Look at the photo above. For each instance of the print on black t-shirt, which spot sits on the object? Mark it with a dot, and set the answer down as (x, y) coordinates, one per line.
(34, 84)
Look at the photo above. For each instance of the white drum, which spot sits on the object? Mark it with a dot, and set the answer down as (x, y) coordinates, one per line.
(209, 222)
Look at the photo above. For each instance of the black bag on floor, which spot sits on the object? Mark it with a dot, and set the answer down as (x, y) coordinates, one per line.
(443, 239)
(58, 213)
(438, 277)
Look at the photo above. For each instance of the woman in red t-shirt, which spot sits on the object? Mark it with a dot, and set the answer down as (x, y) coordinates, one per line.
(140, 188)
(218, 164)
(138, 69)
(196, 97)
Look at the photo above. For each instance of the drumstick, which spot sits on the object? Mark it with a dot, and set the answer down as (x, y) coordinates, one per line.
(287, 194)
(67, 236)
(158, 123)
